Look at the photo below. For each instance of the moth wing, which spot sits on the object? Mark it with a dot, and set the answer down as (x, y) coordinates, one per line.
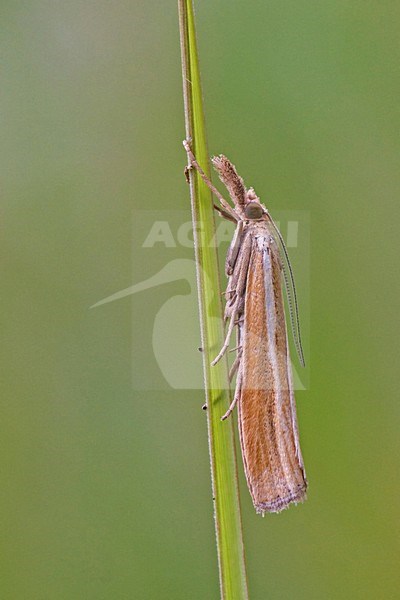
(267, 414)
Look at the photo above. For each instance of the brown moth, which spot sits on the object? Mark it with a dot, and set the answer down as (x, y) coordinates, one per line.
(256, 262)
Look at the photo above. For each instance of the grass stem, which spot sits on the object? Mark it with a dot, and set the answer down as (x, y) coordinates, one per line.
(232, 573)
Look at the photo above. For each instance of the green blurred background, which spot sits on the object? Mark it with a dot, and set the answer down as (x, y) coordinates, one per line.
(105, 489)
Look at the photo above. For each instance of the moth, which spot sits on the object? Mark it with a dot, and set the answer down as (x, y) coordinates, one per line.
(256, 264)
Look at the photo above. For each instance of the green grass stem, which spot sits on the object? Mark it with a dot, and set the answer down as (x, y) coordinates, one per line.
(228, 527)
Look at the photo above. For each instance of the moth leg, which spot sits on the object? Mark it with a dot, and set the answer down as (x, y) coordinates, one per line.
(230, 291)
(227, 339)
(237, 280)
(234, 249)
(232, 309)
(194, 164)
(239, 277)
(223, 213)
(237, 347)
(235, 366)
(235, 398)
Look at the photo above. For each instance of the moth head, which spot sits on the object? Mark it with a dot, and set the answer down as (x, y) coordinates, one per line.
(253, 208)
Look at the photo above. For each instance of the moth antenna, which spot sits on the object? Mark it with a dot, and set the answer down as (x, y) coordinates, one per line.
(291, 294)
